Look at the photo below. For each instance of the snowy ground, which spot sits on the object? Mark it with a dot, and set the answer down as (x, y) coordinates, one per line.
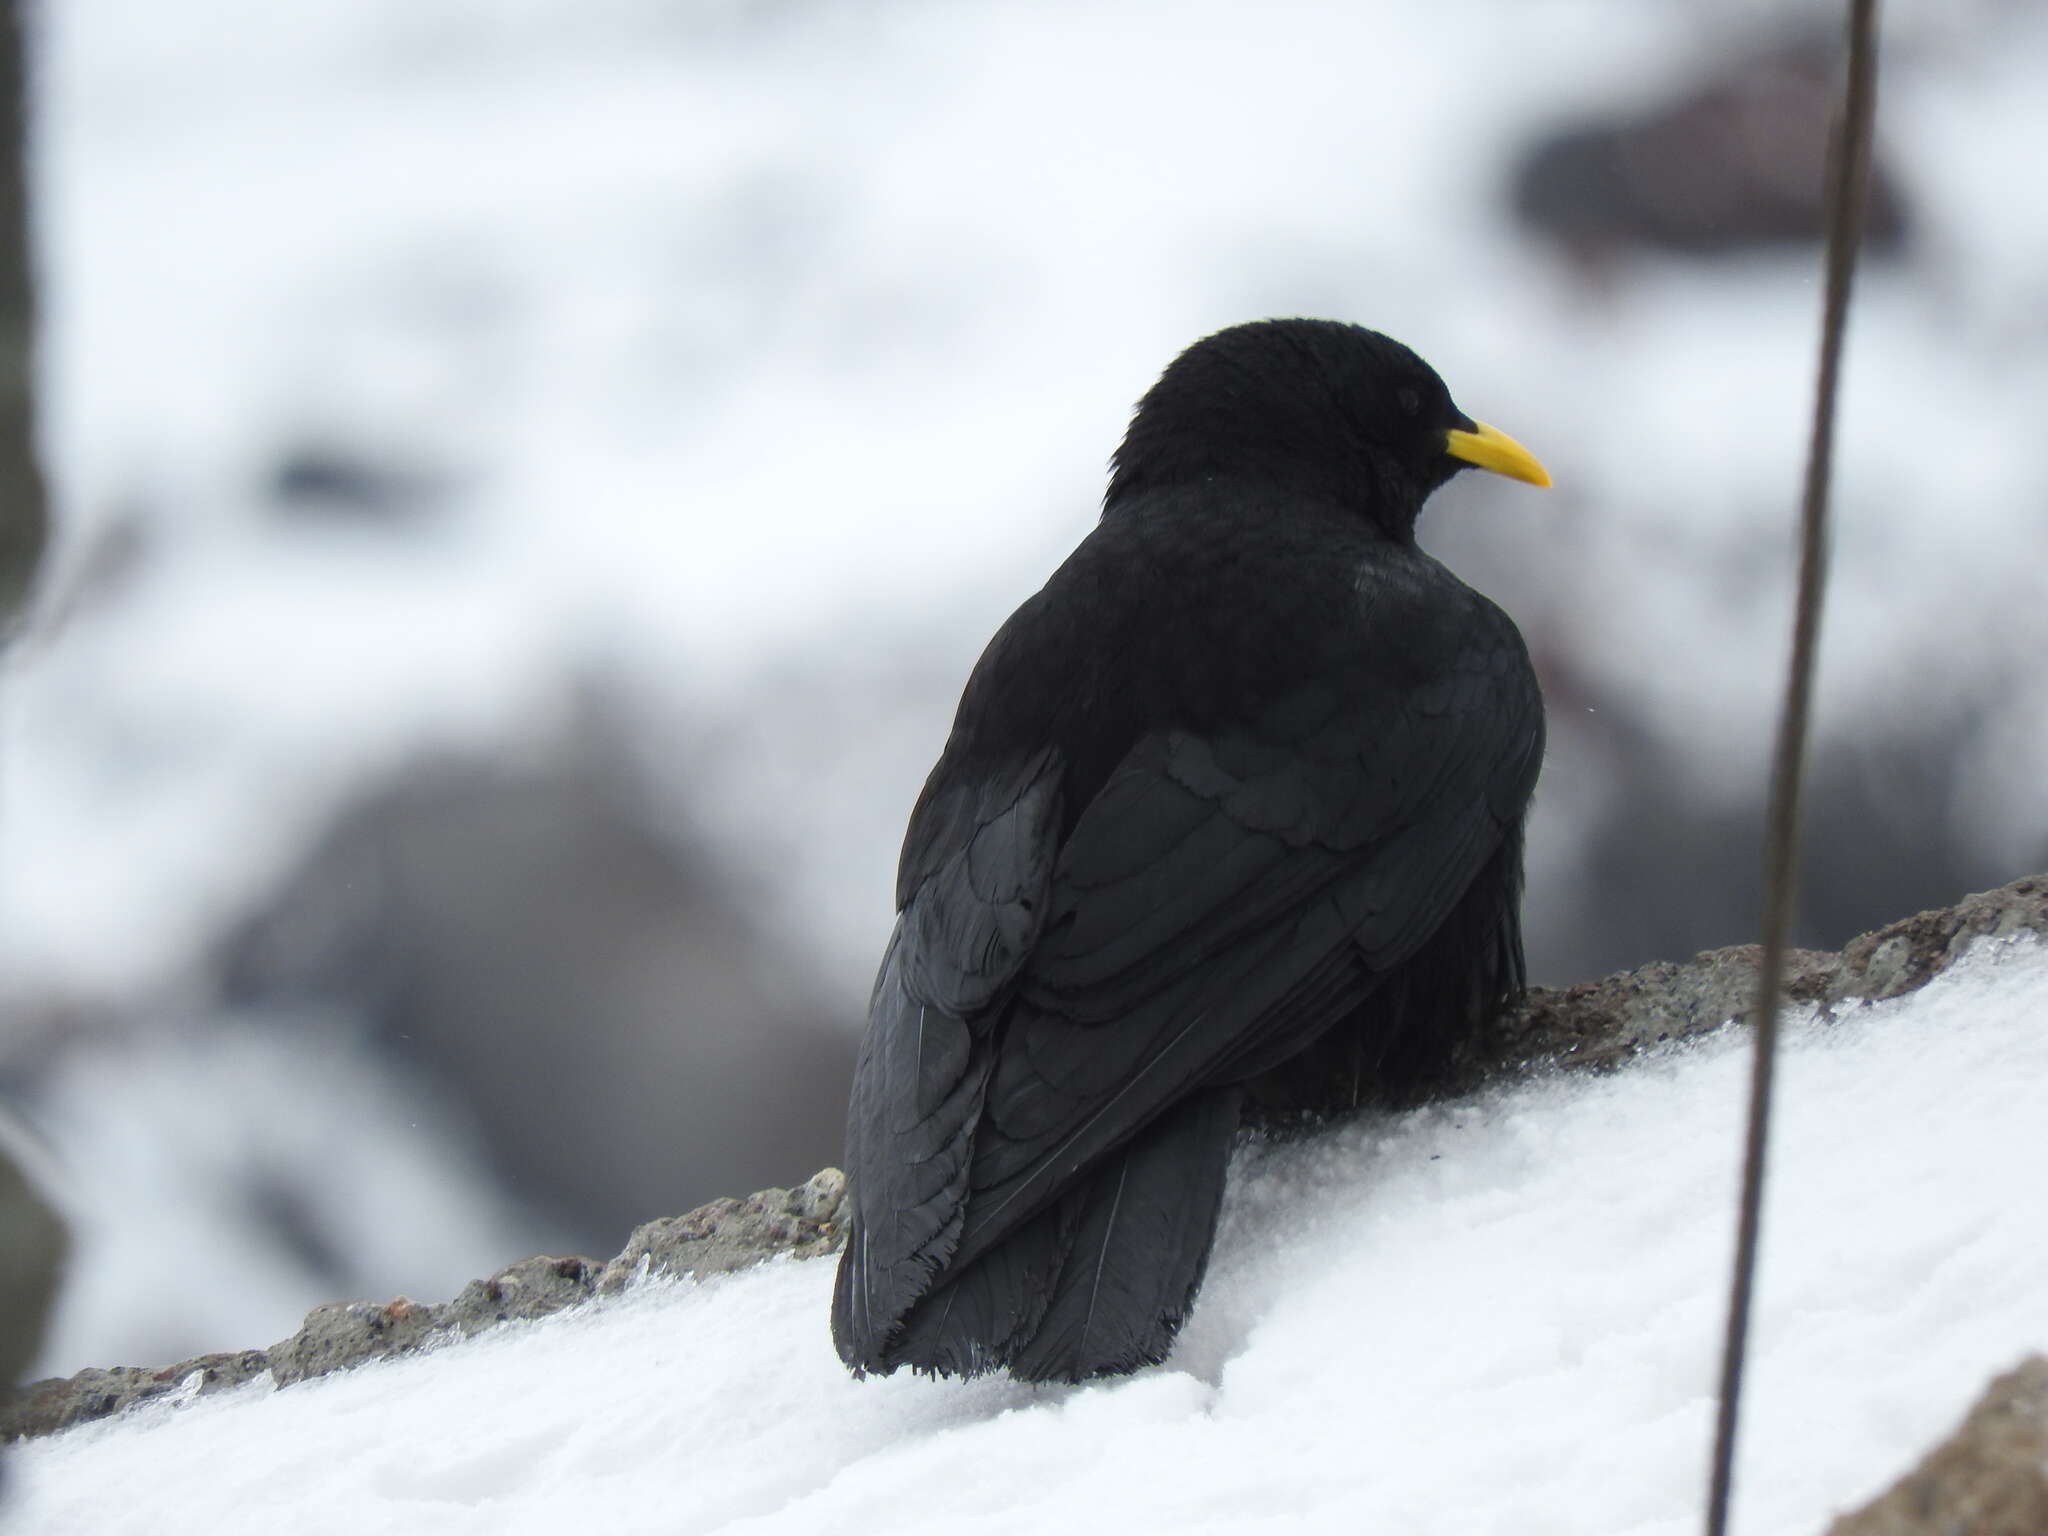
(1497, 1318)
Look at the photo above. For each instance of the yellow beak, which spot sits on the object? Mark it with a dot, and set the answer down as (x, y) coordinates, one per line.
(1490, 448)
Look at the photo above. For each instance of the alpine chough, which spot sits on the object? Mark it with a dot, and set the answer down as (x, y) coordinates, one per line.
(1229, 822)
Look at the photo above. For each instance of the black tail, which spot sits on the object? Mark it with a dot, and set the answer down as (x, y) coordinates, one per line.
(1098, 1283)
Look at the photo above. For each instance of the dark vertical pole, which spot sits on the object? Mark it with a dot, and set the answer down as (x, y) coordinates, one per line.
(24, 517)
(1848, 182)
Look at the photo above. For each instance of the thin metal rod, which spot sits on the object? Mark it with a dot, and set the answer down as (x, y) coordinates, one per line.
(1848, 183)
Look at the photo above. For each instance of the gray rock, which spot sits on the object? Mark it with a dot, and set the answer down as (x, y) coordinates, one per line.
(467, 912)
(1599, 1025)
(45, 1407)
(1901, 957)
(1990, 1478)
(531, 1288)
(804, 1222)
(345, 1333)
(714, 1239)
(32, 1247)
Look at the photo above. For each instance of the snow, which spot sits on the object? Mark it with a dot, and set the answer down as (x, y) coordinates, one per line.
(1495, 1316)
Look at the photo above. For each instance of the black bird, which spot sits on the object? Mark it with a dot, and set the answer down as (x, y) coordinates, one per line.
(1229, 822)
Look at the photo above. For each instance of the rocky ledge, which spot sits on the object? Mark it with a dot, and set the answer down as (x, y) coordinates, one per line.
(714, 1239)
(1595, 1026)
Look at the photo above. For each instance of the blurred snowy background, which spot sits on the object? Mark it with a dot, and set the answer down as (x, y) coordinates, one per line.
(533, 476)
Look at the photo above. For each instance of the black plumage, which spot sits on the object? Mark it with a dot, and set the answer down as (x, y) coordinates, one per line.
(1229, 824)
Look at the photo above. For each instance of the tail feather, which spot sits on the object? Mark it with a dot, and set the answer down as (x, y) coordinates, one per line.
(978, 1319)
(1099, 1282)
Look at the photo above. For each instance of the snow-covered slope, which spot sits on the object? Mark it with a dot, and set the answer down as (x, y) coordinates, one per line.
(1498, 1316)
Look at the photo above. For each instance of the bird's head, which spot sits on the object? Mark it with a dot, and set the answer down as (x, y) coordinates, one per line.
(1317, 407)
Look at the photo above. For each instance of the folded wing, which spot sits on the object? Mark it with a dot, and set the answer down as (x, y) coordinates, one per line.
(1049, 1086)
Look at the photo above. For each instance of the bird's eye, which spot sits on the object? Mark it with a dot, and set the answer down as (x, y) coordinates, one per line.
(1409, 399)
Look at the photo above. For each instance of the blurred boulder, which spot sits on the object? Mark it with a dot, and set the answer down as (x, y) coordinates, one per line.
(1637, 849)
(1732, 162)
(1660, 869)
(587, 985)
(32, 1247)
(320, 481)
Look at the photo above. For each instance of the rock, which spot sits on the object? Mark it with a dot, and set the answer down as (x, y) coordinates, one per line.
(32, 1247)
(1904, 956)
(715, 1239)
(215, 1373)
(344, 1333)
(542, 942)
(1990, 1478)
(529, 1289)
(316, 480)
(1732, 162)
(1598, 1025)
(47, 1406)
(59, 1402)
(1601, 1024)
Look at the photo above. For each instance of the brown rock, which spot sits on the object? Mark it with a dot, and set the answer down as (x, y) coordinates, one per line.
(1990, 1478)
